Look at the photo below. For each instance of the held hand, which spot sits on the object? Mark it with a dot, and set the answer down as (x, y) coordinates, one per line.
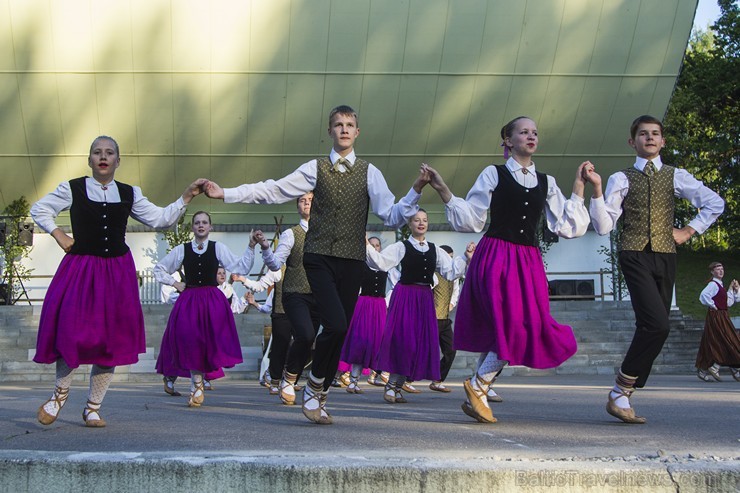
(213, 191)
(422, 180)
(438, 184)
(252, 241)
(195, 188)
(469, 251)
(179, 286)
(259, 237)
(681, 236)
(586, 173)
(237, 278)
(735, 286)
(249, 296)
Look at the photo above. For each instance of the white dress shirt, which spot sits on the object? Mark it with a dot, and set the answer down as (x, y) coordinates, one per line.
(173, 260)
(238, 304)
(264, 282)
(275, 260)
(567, 218)
(606, 210)
(48, 208)
(266, 307)
(392, 255)
(711, 290)
(303, 180)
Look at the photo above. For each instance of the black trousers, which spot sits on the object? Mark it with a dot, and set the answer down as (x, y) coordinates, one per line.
(304, 319)
(281, 337)
(650, 279)
(445, 345)
(335, 283)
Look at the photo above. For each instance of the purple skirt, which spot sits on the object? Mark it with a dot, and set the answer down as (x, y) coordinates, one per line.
(92, 313)
(410, 343)
(504, 307)
(365, 332)
(200, 334)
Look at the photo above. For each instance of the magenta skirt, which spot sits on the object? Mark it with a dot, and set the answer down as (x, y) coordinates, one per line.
(92, 313)
(365, 332)
(504, 307)
(200, 334)
(410, 343)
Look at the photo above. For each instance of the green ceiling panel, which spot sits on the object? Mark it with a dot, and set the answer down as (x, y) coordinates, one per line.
(239, 90)
(229, 113)
(154, 113)
(384, 49)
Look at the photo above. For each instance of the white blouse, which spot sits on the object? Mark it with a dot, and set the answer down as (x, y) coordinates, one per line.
(48, 208)
(392, 255)
(568, 218)
(173, 260)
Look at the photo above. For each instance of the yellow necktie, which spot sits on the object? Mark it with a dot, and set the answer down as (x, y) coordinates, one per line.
(344, 162)
(649, 168)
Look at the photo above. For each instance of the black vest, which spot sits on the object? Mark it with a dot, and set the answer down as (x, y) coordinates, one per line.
(418, 267)
(516, 210)
(99, 228)
(200, 268)
(373, 283)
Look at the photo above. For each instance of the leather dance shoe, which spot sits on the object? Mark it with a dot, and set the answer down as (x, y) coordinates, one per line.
(625, 414)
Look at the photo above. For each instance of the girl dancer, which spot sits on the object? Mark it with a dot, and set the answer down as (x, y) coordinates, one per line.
(366, 327)
(201, 334)
(79, 322)
(237, 306)
(410, 344)
(720, 343)
(504, 308)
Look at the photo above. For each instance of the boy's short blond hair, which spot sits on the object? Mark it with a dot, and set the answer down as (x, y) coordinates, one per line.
(343, 109)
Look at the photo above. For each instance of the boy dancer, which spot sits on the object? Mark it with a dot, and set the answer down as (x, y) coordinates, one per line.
(345, 189)
(446, 294)
(298, 302)
(643, 196)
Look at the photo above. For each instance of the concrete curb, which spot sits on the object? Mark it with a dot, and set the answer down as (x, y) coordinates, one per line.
(35, 471)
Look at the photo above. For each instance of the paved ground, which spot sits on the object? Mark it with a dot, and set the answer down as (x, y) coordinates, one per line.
(553, 417)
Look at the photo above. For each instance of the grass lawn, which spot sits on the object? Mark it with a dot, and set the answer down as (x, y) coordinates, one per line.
(692, 276)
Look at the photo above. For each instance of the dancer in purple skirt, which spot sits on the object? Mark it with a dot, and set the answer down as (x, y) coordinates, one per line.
(91, 312)
(410, 344)
(504, 308)
(200, 337)
(237, 304)
(366, 327)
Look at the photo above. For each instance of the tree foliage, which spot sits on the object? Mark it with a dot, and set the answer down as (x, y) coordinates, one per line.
(14, 272)
(702, 124)
(181, 233)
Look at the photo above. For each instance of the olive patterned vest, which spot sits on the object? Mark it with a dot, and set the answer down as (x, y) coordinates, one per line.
(443, 296)
(295, 280)
(339, 211)
(648, 208)
(277, 297)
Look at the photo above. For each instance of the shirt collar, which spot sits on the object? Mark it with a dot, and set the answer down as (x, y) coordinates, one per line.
(195, 245)
(98, 184)
(640, 163)
(415, 242)
(334, 155)
(515, 167)
(304, 224)
(717, 280)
